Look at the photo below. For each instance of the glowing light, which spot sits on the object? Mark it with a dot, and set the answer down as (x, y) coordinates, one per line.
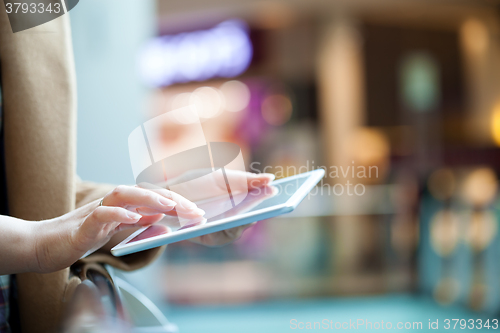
(482, 230)
(186, 116)
(495, 124)
(480, 187)
(475, 36)
(223, 51)
(369, 147)
(236, 94)
(419, 75)
(181, 101)
(207, 101)
(445, 232)
(276, 109)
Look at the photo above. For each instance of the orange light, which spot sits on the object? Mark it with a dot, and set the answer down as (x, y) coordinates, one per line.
(475, 36)
(480, 187)
(495, 124)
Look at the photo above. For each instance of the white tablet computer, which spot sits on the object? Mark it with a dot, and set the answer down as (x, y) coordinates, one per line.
(280, 197)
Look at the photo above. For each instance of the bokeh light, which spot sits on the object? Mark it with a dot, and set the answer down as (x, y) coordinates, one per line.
(474, 36)
(445, 232)
(207, 101)
(495, 124)
(236, 94)
(180, 100)
(277, 109)
(481, 231)
(420, 82)
(223, 51)
(370, 147)
(480, 187)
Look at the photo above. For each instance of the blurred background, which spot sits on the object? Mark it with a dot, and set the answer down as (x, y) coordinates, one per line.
(406, 89)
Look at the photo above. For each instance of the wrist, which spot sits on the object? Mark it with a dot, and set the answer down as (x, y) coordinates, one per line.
(40, 240)
(35, 237)
(18, 244)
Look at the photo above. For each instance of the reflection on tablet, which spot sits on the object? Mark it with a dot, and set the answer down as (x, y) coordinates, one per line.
(152, 231)
(256, 199)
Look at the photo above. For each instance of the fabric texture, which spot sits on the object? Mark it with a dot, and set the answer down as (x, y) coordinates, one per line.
(4, 279)
(38, 85)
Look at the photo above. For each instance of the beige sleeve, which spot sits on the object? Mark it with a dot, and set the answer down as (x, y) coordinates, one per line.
(87, 192)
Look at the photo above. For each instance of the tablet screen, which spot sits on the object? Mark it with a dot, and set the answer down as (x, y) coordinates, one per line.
(256, 199)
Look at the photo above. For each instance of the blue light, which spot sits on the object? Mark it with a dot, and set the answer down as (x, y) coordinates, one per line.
(223, 51)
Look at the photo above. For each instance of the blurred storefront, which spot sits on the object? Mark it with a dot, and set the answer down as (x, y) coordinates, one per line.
(406, 89)
(398, 100)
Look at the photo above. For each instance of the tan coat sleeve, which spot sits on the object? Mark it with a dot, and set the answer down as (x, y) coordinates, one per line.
(39, 102)
(89, 191)
(39, 117)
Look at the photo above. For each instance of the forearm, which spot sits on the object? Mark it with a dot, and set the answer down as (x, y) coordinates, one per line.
(17, 245)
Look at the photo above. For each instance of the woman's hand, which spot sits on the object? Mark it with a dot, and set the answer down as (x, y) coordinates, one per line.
(230, 235)
(60, 242)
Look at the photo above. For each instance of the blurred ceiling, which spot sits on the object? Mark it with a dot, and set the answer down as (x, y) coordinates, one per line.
(179, 15)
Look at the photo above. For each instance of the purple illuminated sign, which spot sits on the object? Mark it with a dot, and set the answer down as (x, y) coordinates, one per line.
(223, 51)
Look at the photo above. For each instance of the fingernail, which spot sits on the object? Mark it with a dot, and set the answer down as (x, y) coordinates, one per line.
(188, 205)
(134, 216)
(199, 211)
(167, 203)
(271, 176)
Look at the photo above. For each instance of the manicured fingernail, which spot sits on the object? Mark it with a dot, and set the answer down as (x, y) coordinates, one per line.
(270, 176)
(199, 211)
(134, 216)
(167, 203)
(188, 205)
